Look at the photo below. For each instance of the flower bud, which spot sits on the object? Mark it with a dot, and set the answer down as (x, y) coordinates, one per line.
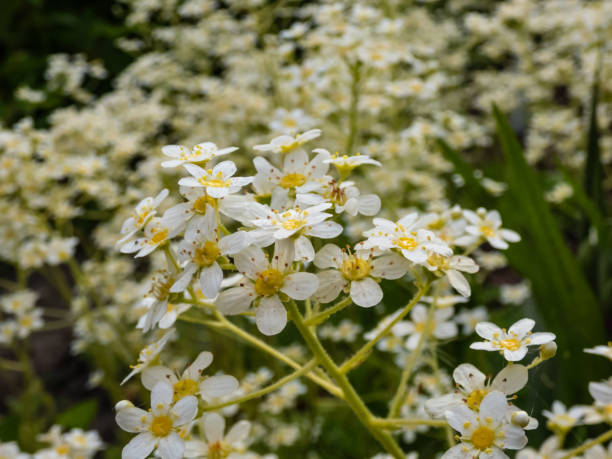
(123, 404)
(520, 418)
(548, 350)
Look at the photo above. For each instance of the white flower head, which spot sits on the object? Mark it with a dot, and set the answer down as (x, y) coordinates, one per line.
(452, 267)
(200, 153)
(218, 181)
(160, 428)
(287, 143)
(345, 164)
(356, 273)
(602, 350)
(192, 381)
(486, 433)
(142, 213)
(200, 250)
(148, 354)
(441, 326)
(298, 224)
(473, 386)
(561, 418)
(487, 225)
(416, 245)
(512, 343)
(217, 443)
(157, 233)
(601, 411)
(263, 281)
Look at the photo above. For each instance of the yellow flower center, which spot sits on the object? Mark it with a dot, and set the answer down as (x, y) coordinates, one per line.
(207, 254)
(199, 205)
(293, 223)
(185, 387)
(62, 450)
(218, 450)
(512, 344)
(407, 243)
(216, 182)
(268, 282)
(483, 437)
(288, 147)
(159, 237)
(161, 426)
(474, 399)
(487, 231)
(293, 180)
(354, 268)
(438, 261)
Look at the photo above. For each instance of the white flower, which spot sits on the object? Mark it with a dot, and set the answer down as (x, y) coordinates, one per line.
(287, 143)
(345, 197)
(601, 411)
(157, 232)
(550, 449)
(470, 317)
(486, 433)
(148, 354)
(199, 251)
(218, 445)
(298, 176)
(11, 450)
(487, 225)
(512, 343)
(297, 224)
(218, 181)
(563, 419)
(143, 212)
(603, 350)
(196, 206)
(163, 314)
(355, 273)
(202, 152)
(472, 387)
(263, 281)
(415, 245)
(440, 327)
(515, 293)
(452, 267)
(345, 164)
(29, 321)
(192, 381)
(159, 428)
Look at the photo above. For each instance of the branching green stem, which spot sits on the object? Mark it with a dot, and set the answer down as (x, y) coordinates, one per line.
(266, 390)
(588, 445)
(324, 315)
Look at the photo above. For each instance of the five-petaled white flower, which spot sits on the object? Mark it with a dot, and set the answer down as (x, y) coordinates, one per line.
(142, 213)
(452, 267)
(191, 381)
(148, 354)
(414, 244)
(200, 250)
(202, 152)
(512, 343)
(472, 387)
(439, 326)
(355, 273)
(486, 433)
(263, 281)
(487, 225)
(218, 444)
(297, 224)
(287, 143)
(158, 428)
(345, 164)
(218, 181)
(156, 233)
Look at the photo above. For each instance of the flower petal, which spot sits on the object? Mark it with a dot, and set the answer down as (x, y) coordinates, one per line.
(366, 292)
(271, 316)
(300, 286)
(218, 386)
(139, 447)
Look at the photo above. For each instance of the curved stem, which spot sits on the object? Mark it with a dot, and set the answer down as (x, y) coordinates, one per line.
(351, 396)
(271, 388)
(361, 354)
(402, 387)
(323, 315)
(399, 423)
(581, 449)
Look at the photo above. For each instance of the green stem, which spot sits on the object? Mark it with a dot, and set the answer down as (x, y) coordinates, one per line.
(402, 387)
(271, 388)
(588, 445)
(322, 316)
(351, 396)
(361, 354)
(399, 423)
